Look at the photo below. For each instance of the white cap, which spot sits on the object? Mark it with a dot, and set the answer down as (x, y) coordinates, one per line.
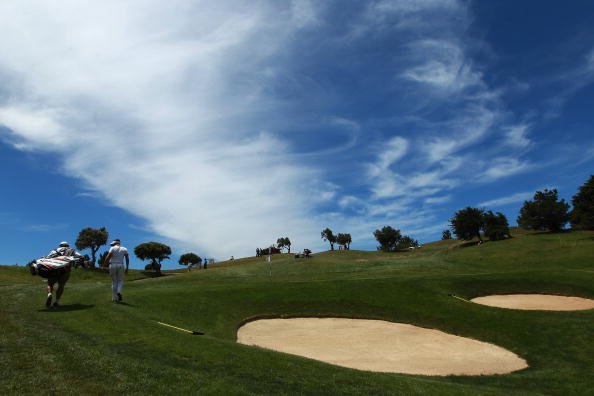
(65, 244)
(115, 242)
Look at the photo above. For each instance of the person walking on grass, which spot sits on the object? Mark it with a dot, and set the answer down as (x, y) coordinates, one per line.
(115, 260)
(61, 279)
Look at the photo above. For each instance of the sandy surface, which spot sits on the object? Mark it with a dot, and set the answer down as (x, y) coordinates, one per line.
(381, 346)
(543, 302)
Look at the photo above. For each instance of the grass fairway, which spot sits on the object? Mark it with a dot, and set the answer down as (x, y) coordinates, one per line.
(92, 346)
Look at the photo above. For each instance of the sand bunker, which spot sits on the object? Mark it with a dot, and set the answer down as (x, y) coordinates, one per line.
(543, 302)
(381, 346)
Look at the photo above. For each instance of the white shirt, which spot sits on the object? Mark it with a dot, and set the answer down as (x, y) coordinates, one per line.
(117, 254)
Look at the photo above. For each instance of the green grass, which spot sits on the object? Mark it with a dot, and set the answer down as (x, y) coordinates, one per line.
(91, 346)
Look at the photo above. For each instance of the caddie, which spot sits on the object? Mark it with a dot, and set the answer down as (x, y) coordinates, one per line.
(64, 273)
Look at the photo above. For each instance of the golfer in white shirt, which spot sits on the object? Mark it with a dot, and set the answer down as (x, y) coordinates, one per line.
(115, 260)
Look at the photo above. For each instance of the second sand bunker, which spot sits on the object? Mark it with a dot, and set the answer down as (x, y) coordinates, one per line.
(377, 345)
(538, 302)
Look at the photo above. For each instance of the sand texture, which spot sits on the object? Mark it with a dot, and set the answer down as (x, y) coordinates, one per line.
(542, 302)
(376, 345)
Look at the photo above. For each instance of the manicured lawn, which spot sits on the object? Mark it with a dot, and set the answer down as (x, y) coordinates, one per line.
(92, 346)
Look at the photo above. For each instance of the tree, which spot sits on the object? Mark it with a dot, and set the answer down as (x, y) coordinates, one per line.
(388, 238)
(91, 238)
(154, 251)
(284, 243)
(495, 226)
(446, 234)
(582, 215)
(270, 250)
(189, 259)
(545, 213)
(467, 223)
(344, 240)
(406, 242)
(328, 236)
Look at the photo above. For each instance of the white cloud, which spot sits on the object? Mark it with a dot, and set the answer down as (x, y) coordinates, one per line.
(185, 113)
(41, 126)
(154, 105)
(516, 136)
(510, 199)
(444, 66)
(394, 149)
(438, 200)
(467, 128)
(503, 167)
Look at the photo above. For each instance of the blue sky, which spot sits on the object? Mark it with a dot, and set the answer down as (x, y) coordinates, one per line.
(217, 127)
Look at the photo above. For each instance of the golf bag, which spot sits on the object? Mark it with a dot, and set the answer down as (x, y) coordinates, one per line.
(53, 267)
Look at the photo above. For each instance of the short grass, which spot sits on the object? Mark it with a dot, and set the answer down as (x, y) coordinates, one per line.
(91, 346)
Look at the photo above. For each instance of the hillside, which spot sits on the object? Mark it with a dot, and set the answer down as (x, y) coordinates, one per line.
(92, 346)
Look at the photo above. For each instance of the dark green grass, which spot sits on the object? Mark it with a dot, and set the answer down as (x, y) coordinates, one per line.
(91, 346)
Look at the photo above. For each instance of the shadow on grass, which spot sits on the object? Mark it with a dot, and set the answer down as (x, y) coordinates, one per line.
(66, 308)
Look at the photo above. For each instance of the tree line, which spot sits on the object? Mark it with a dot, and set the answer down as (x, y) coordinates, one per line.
(341, 239)
(545, 212)
(154, 252)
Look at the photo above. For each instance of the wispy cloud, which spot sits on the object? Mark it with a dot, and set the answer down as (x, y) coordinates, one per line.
(502, 167)
(438, 200)
(443, 67)
(216, 118)
(510, 199)
(89, 194)
(517, 136)
(195, 139)
(154, 106)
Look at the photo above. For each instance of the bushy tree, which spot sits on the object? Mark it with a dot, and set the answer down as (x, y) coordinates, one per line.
(154, 251)
(495, 226)
(387, 238)
(189, 258)
(328, 236)
(270, 250)
(284, 243)
(91, 238)
(544, 213)
(344, 240)
(467, 223)
(582, 215)
(446, 234)
(407, 242)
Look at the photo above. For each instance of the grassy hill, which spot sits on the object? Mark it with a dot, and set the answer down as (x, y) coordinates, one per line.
(92, 346)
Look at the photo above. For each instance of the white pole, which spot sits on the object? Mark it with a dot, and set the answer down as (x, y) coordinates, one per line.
(270, 261)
